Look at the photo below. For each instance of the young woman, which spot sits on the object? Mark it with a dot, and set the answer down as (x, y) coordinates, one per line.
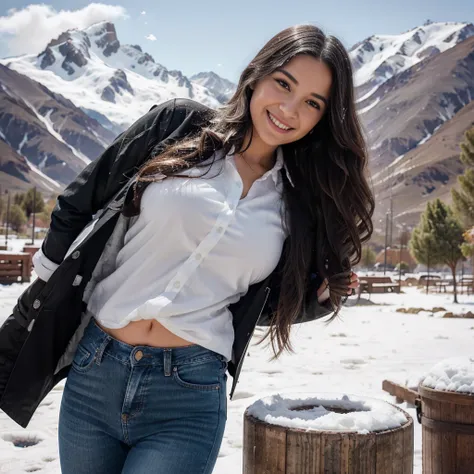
(267, 193)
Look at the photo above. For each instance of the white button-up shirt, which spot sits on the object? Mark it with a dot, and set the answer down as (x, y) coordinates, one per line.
(194, 249)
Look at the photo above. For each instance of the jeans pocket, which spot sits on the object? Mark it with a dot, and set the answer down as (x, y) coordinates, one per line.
(203, 376)
(83, 359)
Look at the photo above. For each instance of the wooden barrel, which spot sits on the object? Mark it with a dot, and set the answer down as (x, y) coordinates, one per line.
(448, 431)
(273, 449)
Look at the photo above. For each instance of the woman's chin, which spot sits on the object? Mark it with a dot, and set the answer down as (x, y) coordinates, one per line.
(273, 140)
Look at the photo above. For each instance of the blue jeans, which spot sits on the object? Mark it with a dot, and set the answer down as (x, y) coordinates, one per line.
(140, 409)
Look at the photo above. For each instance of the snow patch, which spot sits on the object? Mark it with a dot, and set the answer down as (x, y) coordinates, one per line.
(371, 106)
(366, 96)
(453, 375)
(42, 175)
(22, 143)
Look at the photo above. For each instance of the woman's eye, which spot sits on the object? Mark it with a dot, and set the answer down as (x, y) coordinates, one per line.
(283, 83)
(314, 104)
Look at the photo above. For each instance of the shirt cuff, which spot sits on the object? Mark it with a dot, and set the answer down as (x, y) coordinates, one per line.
(324, 295)
(43, 266)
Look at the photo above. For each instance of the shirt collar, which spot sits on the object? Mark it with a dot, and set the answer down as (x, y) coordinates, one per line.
(275, 171)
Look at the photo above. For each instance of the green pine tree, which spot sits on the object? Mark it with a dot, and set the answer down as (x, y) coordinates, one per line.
(18, 199)
(463, 199)
(369, 256)
(29, 201)
(17, 218)
(438, 238)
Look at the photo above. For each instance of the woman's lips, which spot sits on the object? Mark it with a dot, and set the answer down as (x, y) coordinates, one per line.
(275, 127)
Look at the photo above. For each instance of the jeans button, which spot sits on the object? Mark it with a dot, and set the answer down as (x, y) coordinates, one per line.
(138, 355)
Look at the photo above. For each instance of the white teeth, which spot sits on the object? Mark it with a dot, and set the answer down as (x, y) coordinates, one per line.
(277, 123)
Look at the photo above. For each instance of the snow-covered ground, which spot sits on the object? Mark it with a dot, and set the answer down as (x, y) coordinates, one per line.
(352, 355)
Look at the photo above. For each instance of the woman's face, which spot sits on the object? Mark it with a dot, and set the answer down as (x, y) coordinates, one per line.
(288, 103)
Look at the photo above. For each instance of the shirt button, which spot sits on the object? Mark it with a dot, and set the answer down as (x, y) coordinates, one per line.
(177, 284)
(220, 229)
(198, 256)
(138, 355)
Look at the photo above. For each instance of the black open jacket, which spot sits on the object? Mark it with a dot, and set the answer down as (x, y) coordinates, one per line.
(46, 315)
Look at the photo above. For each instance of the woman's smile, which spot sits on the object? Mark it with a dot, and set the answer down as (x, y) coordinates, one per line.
(277, 124)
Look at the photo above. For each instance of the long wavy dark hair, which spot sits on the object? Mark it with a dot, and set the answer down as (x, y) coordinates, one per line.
(330, 207)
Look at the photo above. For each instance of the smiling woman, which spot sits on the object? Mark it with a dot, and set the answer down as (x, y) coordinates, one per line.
(250, 214)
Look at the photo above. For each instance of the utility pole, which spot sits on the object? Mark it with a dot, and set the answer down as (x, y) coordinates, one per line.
(428, 268)
(34, 217)
(8, 218)
(400, 261)
(391, 213)
(385, 249)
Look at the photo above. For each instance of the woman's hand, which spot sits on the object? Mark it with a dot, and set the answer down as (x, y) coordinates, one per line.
(354, 283)
(323, 290)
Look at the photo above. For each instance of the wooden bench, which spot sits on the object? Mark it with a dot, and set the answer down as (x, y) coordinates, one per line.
(465, 282)
(371, 284)
(442, 285)
(31, 249)
(424, 279)
(15, 267)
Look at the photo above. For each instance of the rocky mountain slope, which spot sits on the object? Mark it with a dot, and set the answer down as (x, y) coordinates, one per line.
(45, 140)
(424, 104)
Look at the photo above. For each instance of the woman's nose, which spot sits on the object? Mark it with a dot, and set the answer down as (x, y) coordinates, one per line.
(289, 109)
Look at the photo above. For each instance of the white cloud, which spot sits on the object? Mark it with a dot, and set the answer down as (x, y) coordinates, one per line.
(143, 12)
(30, 29)
(151, 37)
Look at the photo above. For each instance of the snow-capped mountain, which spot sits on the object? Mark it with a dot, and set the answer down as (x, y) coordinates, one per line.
(121, 82)
(380, 57)
(223, 89)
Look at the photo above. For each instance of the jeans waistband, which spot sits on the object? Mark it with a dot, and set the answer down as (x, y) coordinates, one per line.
(96, 340)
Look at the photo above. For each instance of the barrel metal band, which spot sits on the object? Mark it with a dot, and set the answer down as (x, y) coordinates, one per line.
(447, 426)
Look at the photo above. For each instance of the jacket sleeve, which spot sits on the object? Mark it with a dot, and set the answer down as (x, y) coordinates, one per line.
(98, 183)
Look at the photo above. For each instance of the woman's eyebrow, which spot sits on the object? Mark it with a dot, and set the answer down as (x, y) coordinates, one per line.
(292, 78)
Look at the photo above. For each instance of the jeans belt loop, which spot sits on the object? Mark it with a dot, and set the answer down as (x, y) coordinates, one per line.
(167, 362)
(99, 353)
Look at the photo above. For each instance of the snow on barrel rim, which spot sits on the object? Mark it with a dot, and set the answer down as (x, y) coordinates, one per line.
(328, 412)
(455, 374)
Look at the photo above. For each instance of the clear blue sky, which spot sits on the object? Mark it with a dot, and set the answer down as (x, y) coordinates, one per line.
(202, 35)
